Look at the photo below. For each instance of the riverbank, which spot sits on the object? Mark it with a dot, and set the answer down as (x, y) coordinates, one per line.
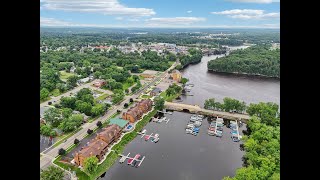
(243, 74)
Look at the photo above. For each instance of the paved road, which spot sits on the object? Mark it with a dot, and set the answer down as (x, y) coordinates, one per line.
(55, 100)
(53, 152)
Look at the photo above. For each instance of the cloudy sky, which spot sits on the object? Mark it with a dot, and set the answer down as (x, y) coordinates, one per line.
(161, 13)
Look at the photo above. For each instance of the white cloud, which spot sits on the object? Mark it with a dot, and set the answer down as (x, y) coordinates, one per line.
(174, 21)
(134, 20)
(247, 14)
(119, 18)
(52, 22)
(189, 11)
(255, 1)
(106, 7)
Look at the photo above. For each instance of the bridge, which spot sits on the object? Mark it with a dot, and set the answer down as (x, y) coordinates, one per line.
(198, 110)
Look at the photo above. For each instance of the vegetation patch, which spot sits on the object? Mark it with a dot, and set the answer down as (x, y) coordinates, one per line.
(65, 75)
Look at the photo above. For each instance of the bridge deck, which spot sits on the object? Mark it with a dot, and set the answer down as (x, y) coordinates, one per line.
(199, 110)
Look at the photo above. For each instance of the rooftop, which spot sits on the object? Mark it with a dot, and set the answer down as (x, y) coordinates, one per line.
(118, 121)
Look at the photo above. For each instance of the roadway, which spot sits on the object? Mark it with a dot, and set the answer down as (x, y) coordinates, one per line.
(53, 151)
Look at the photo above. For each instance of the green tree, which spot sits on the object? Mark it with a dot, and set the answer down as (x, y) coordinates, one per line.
(71, 123)
(170, 92)
(184, 80)
(68, 102)
(84, 107)
(98, 109)
(66, 112)
(52, 173)
(53, 116)
(47, 130)
(90, 164)
(210, 104)
(159, 103)
(82, 92)
(72, 81)
(44, 94)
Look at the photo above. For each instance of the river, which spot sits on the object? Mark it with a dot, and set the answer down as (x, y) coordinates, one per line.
(180, 156)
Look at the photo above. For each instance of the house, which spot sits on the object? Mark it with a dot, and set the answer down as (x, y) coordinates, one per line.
(176, 75)
(84, 80)
(98, 83)
(110, 134)
(135, 113)
(155, 91)
(96, 148)
(118, 121)
(99, 146)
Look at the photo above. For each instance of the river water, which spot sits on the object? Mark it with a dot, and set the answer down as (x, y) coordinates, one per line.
(180, 156)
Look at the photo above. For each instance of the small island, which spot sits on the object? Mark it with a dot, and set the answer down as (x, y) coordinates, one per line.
(259, 60)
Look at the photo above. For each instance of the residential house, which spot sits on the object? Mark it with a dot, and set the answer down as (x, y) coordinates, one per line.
(135, 113)
(176, 75)
(98, 83)
(110, 134)
(99, 146)
(96, 148)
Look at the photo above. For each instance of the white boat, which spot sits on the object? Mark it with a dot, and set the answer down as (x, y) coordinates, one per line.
(190, 125)
(155, 140)
(189, 131)
(156, 135)
(122, 159)
(144, 131)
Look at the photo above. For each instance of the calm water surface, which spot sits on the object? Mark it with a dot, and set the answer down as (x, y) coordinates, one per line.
(180, 156)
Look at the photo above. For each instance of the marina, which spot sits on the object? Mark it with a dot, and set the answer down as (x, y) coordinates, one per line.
(135, 161)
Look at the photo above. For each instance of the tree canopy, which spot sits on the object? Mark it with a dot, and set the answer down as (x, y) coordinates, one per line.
(255, 60)
(52, 173)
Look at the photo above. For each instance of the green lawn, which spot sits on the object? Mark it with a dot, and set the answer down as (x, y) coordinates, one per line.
(55, 92)
(64, 75)
(126, 84)
(142, 78)
(171, 62)
(145, 96)
(102, 97)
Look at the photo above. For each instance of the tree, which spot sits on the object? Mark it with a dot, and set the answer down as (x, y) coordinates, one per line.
(53, 116)
(68, 102)
(170, 92)
(88, 98)
(125, 105)
(62, 152)
(99, 124)
(82, 92)
(71, 123)
(76, 141)
(44, 94)
(126, 90)
(98, 109)
(116, 98)
(72, 81)
(84, 107)
(90, 164)
(159, 103)
(89, 131)
(210, 104)
(184, 80)
(135, 78)
(131, 100)
(66, 112)
(47, 130)
(52, 173)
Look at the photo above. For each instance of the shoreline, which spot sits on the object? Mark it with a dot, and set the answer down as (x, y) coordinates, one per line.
(244, 74)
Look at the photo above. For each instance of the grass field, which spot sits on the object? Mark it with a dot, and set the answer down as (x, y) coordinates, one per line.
(102, 97)
(55, 92)
(64, 75)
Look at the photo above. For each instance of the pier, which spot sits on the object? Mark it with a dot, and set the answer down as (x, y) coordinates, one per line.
(198, 110)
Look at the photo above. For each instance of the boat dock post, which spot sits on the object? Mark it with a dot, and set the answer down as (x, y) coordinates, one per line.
(141, 160)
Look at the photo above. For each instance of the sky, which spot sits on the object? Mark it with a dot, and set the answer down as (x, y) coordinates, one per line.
(161, 13)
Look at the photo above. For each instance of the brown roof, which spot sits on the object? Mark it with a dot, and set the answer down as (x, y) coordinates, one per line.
(110, 132)
(94, 148)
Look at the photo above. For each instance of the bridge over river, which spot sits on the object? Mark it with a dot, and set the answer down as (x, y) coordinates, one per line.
(198, 110)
